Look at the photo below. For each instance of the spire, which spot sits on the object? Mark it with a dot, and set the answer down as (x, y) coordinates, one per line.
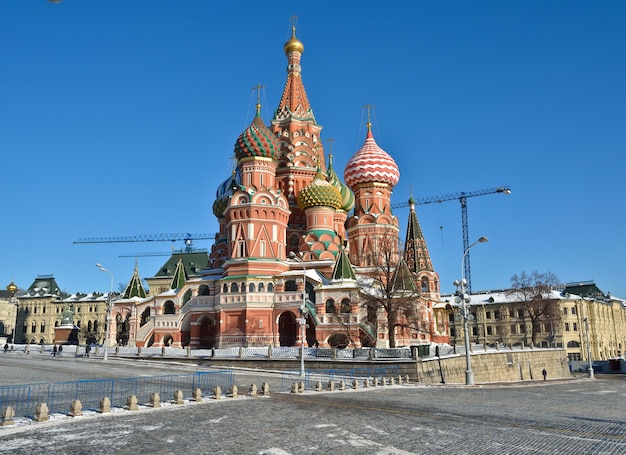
(415, 251)
(402, 281)
(343, 269)
(180, 276)
(294, 102)
(135, 288)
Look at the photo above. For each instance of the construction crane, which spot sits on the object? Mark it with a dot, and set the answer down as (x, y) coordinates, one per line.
(462, 198)
(187, 238)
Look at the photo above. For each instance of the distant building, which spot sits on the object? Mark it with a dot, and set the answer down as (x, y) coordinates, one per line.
(8, 311)
(501, 317)
(40, 310)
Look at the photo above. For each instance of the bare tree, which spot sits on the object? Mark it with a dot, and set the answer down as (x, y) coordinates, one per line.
(393, 290)
(533, 291)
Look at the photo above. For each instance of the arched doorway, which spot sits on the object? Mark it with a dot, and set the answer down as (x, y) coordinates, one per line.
(287, 329)
(168, 340)
(311, 336)
(207, 333)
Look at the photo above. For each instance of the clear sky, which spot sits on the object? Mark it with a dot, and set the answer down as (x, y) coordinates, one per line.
(118, 118)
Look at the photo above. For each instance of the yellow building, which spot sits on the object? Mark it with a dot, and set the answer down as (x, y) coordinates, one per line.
(40, 309)
(500, 317)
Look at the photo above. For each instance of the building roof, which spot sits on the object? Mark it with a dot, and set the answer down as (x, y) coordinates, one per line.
(45, 286)
(194, 262)
(135, 287)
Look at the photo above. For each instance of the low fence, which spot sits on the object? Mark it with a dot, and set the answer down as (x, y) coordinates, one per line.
(281, 352)
(59, 396)
(332, 375)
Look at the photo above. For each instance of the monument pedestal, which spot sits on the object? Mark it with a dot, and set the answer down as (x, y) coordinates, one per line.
(66, 334)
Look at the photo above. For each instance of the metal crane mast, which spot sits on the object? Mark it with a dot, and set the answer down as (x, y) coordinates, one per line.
(462, 198)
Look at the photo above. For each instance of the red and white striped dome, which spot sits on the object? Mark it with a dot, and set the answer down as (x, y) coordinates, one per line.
(371, 164)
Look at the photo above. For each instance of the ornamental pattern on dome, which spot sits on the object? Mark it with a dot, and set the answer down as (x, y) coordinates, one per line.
(319, 193)
(371, 164)
(256, 141)
(347, 196)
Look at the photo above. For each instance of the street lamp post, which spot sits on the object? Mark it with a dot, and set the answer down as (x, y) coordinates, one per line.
(591, 376)
(303, 313)
(464, 299)
(107, 329)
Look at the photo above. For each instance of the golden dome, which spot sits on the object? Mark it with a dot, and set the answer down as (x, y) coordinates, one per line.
(294, 44)
(12, 288)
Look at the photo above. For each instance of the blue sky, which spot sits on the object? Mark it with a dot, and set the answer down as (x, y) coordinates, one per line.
(118, 118)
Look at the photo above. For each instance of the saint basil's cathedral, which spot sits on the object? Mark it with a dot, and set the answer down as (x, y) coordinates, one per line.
(295, 244)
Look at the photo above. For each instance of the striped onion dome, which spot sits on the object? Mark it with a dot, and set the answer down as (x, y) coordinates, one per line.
(319, 193)
(347, 196)
(371, 164)
(257, 140)
(224, 192)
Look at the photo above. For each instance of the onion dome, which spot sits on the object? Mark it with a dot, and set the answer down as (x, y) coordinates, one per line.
(294, 44)
(12, 288)
(371, 164)
(224, 192)
(319, 193)
(257, 140)
(347, 196)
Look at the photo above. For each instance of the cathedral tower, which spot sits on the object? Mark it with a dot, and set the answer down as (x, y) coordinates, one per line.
(371, 173)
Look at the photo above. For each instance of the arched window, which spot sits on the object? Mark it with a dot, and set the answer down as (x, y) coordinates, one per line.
(251, 287)
(261, 287)
(345, 306)
(203, 290)
(234, 287)
(573, 344)
(225, 289)
(290, 285)
(187, 296)
(330, 306)
(168, 307)
(270, 287)
(425, 284)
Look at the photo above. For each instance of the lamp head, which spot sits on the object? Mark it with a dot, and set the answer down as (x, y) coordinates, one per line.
(483, 240)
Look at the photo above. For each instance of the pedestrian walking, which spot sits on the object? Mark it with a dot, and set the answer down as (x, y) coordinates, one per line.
(6, 347)
(60, 349)
(87, 349)
(545, 374)
(54, 351)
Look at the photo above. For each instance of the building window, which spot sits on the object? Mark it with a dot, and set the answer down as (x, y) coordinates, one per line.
(425, 285)
(488, 315)
(262, 248)
(575, 327)
(573, 310)
(567, 326)
(42, 329)
(251, 287)
(513, 329)
(290, 285)
(270, 287)
(564, 310)
(330, 306)
(489, 330)
(261, 287)
(234, 287)
(452, 332)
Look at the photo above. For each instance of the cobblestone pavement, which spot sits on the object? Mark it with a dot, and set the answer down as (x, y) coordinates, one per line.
(567, 417)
